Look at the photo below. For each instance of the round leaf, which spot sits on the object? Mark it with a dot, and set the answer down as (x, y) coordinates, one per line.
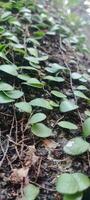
(41, 130)
(67, 125)
(80, 94)
(14, 94)
(4, 98)
(23, 107)
(40, 102)
(76, 75)
(52, 78)
(72, 183)
(10, 69)
(58, 94)
(38, 117)
(66, 184)
(82, 180)
(67, 106)
(30, 192)
(76, 146)
(5, 86)
(86, 127)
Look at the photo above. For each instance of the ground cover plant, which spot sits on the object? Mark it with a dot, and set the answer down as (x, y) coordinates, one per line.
(44, 104)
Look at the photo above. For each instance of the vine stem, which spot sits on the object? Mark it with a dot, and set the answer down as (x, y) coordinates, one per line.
(71, 82)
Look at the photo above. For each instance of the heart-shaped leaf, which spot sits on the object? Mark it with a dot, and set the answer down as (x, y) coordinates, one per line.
(5, 86)
(67, 106)
(10, 69)
(38, 117)
(86, 127)
(66, 184)
(4, 98)
(80, 94)
(58, 94)
(24, 107)
(87, 112)
(14, 94)
(34, 83)
(54, 68)
(67, 125)
(76, 146)
(72, 183)
(81, 87)
(52, 78)
(40, 102)
(76, 75)
(41, 130)
(30, 192)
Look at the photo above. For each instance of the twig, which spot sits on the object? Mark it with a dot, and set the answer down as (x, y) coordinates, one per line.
(7, 146)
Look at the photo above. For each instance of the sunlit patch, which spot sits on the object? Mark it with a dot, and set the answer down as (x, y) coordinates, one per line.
(70, 144)
(87, 3)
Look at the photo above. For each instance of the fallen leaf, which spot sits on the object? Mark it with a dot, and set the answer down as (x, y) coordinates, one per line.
(50, 144)
(19, 175)
(30, 157)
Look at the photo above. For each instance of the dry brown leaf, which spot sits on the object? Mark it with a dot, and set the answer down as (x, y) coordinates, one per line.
(30, 157)
(19, 175)
(50, 144)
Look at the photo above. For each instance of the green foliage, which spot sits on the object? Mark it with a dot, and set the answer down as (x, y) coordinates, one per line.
(41, 130)
(67, 125)
(76, 146)
(38, 117)
(72, 183)
(86, 127)
(30, 192)
(67, 106)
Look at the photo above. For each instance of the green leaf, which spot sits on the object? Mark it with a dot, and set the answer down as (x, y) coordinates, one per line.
(38, 117)
(52, 78)
(24, 77)
(53, 104)
(43, 58)
(41, 130)
(5, 86)
(10, 69)
(87, 112)
(80, 94)
(76, 146)
(67, 106)
(81, 87)
(67, 125)
(2, 55)
(40, 102)
(86, 127)
(30, 192)
(24, 107)
(72, 183)
(54, 68)
(77, 196)
(66, 184)
(14, 94)
(4, 98)
(33, 51)
(76, 75)
(58, 94)
(82, 180)
(32, 59)
(34, 83)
